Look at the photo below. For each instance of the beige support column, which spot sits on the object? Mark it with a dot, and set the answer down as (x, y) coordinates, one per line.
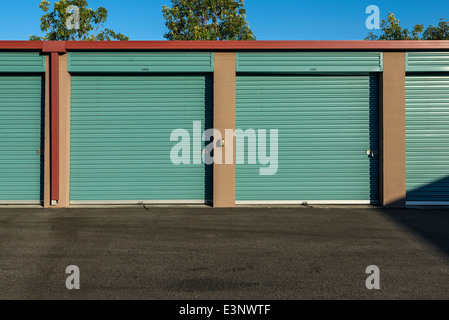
(47, 181)
(224, 118)
(64, 131)
(392, 133)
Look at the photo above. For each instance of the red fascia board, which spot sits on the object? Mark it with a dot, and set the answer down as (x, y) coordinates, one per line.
(21, 45)
(257, 45)
(62, 46)
(53, 46)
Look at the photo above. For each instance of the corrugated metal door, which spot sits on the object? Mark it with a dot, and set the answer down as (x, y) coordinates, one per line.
(152, 62)
(21, 143)
(326, 124)
(309, 62)
(427, 138)
(120, 138)
(427, 61)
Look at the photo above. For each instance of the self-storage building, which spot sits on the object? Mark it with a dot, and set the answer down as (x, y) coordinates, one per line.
(354, 122)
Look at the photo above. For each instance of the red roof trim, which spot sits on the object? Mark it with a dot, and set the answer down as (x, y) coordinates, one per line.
(21, 45)
(53, 46)
(257, 45)
(61, 46)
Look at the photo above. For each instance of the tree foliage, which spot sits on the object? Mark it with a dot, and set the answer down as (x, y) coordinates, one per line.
(207, 20)
(391, 30)
(441, 32)
(91, 26)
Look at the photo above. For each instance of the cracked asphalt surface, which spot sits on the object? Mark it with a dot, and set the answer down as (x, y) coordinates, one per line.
(259, 253)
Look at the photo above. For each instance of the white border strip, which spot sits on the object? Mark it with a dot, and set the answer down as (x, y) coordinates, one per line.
(312, 202)
(427, 203)
(13, 202)
(138, 202)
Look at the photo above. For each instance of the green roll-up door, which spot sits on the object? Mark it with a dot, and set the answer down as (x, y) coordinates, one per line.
(21, 144)
(146, 62)
(120, 138)
(433, 61)
(22, 62)
(326, 126)
(427, 138)
(309, 62)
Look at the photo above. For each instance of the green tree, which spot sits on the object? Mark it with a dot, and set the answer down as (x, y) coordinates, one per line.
(393, 31)
(207, 20)
(91, 23)
(441, 32)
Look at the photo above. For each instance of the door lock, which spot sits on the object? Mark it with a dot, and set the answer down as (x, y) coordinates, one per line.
(371, 153)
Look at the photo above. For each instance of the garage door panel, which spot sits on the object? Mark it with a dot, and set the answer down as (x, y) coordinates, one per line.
(120, 137)
(326, 124)
(21, 143)
(427, 137)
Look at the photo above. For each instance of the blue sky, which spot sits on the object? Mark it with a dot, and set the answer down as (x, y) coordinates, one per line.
(269, 20)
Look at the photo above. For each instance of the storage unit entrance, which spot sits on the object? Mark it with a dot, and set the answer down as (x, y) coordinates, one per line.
(123, 113)
(325, 107)
(21, 127)
(427, 128)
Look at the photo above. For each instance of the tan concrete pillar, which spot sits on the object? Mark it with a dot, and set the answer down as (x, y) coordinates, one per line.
(392, 133)
(224, 118)
(64, 131)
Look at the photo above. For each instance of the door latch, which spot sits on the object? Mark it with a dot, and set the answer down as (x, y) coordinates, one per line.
(371, 153)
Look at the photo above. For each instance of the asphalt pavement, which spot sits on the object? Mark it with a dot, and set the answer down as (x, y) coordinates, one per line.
(262, 253)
